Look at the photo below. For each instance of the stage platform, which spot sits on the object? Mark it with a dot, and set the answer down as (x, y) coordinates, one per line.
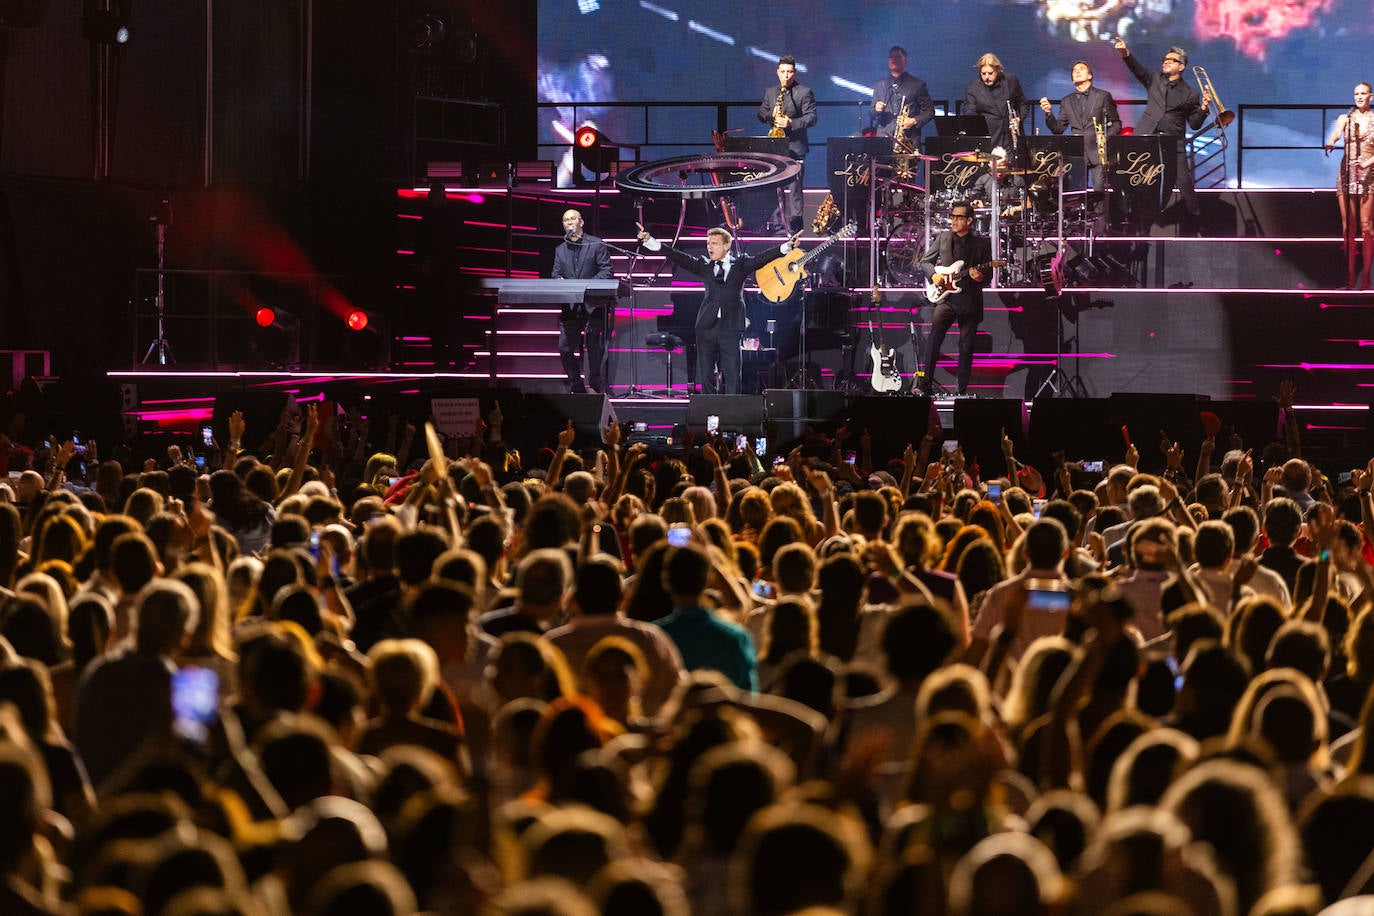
(159, 406)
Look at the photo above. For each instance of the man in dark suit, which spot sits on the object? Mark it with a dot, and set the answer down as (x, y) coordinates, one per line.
(583, 257)
(721, 319)
(902, 91)
(989, 96)
(798, 112)
(957, 243)
(1077, 113)
(1170, 106)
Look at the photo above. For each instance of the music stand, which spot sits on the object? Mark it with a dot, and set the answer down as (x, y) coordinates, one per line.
(974, 126)
(1143, 168)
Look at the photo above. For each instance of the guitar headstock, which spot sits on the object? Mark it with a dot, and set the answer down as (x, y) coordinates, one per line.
(850, 228)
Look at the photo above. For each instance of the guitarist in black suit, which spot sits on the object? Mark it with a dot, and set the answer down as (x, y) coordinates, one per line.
(721, 319)
(966, 306)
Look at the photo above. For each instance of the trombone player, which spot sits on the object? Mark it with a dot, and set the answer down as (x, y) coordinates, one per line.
(1171, 104)
(1090, 113)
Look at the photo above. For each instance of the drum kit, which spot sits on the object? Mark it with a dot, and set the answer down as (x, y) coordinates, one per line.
(1028, 203)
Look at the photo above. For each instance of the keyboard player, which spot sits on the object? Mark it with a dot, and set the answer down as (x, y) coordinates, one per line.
(583, 257)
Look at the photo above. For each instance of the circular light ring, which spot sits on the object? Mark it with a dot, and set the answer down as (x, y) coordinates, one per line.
(709, 174)
(586, 137)
(357, 320)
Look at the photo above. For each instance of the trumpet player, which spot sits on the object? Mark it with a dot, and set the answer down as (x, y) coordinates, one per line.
(1083, 113)
(997, 96)
(902, 103)
(790, 107)
(1170, 105)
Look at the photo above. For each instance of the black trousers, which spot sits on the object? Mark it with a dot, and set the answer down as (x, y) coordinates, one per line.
(575, 323)
(943, 317)
(718, 346)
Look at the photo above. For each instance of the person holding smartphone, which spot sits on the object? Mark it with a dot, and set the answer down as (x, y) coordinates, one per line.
(1035, 589)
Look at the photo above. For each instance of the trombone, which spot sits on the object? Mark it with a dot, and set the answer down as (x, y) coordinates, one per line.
(1204, 83)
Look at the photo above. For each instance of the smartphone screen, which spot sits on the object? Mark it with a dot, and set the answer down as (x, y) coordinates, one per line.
(995, 493)
(195, 702)
(713, 424)
(1044, 599)
(200, 462)
(741, 442)
(760, 445)
(1092, 467)
(850, 457)
(207, 436)
(640, 426)
(679, 535)
(951, 445)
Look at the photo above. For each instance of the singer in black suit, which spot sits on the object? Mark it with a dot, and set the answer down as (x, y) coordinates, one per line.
(901, 88)
(1077, 112)
(583, 257)
(798, 113)
(989, 96)
(721, 319)
(966, 306)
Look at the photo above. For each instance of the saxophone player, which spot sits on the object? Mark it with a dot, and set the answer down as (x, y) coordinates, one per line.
(790, 107)
(1085, 112)
(902, 92)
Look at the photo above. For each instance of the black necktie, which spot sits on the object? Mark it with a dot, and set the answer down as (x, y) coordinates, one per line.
(720, 272)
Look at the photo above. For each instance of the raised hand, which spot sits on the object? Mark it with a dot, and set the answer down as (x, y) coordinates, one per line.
(566, 436)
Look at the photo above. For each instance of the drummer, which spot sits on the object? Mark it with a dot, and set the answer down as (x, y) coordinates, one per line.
(1009, 185)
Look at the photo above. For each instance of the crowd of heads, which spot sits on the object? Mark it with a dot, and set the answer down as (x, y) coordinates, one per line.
(321, 676)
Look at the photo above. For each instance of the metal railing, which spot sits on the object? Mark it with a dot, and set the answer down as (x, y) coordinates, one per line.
(1210, 148)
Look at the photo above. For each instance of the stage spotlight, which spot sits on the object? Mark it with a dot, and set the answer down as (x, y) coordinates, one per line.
(361, 320)
(265, 317)
(427, 32)
(593, 150)
(104, 24)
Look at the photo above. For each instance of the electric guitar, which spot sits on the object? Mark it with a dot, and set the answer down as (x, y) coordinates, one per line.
(886, 377)
(950, 277)
(778, 278)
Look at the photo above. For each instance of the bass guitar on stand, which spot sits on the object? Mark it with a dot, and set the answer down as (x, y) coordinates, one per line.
(945, 283)
(886, 377)
(778, 278)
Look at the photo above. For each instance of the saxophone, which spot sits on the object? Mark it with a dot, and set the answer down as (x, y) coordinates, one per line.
(777, 113)
(1101, 142)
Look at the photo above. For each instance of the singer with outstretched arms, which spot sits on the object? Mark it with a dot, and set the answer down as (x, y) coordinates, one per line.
(1354, 132)
(583, 257)
(902, 97)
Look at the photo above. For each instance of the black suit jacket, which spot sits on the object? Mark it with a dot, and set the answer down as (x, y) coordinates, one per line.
(799, 104)
(727, 298)
(991, 103)
(588, 260)
(968, 303)
(1076, 113)
(1169, 104)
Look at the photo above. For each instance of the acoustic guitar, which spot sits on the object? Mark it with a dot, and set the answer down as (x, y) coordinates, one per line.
(778, 278)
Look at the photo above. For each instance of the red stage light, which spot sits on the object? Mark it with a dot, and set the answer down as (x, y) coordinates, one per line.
(586, 137)
(265, 317)
(357, 320)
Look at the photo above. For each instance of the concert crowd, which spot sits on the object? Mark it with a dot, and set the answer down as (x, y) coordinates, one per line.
(337, 672)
